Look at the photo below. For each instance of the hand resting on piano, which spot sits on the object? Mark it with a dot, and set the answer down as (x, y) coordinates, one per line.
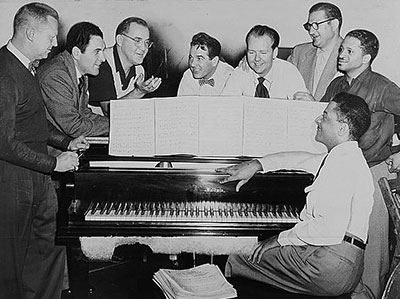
(242, 172)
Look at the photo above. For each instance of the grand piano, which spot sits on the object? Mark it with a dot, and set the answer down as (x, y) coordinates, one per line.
(169, 196)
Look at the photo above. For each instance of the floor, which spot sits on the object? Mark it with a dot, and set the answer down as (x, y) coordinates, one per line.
(129, 276)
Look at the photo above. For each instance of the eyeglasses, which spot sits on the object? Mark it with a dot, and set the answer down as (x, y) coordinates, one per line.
(315, 25)
(137, 40)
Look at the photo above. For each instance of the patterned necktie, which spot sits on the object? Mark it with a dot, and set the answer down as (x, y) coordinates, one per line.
(32, 66)
(261, 90)
(81, 83)
(207, 81)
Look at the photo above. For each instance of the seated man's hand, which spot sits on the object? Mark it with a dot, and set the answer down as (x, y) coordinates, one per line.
(303, 96)
(79, 143)
(149, 85)
(242, 172)
(67, 161)
(393, 162)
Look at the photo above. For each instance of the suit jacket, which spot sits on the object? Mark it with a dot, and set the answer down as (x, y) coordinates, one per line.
(66, 108)
(304, 57)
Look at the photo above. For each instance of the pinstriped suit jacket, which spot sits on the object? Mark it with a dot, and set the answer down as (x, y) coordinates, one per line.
(304, 57)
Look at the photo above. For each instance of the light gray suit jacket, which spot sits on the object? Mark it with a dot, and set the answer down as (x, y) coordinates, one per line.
(304, 57)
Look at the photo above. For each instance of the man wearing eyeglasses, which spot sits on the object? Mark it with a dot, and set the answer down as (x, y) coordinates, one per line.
(207, 74)
(122, 75)
(63, 82)
(317, 60)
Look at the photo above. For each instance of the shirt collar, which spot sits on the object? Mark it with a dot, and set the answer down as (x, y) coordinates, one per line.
(361, 76)
(78, 74)
(119, 69)
(21, 57)
(268, 77)
(344, 147)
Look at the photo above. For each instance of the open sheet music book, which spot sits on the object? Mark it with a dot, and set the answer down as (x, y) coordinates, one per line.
(212, 126)
(205, 281)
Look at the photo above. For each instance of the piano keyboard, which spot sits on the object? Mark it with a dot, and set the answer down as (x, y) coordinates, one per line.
(202, 211)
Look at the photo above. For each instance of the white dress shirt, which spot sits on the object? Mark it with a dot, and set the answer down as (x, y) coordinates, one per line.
(338, 201)
(282, 81)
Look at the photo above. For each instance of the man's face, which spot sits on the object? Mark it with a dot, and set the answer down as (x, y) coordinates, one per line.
(44, 38)
(89, 61)
(260, 54)
(326, 31)
(200, 63)
(134, 44)
(328, 126)
(351, 57)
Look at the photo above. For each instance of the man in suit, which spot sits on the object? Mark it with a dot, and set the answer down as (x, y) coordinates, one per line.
(64, 83)
(317, 60)
(31, 266)
(207, 74)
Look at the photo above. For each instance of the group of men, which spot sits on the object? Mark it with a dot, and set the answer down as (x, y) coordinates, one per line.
(54, 106)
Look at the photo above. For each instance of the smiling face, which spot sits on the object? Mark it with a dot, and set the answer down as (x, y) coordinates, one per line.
(328, 127)
(260, 54)
(89, 61)
(351, 58)
(326, 32)
(200, 63)
(44, 38)
(132, 44)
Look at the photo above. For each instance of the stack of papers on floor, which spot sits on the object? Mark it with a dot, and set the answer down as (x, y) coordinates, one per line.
(205, 281)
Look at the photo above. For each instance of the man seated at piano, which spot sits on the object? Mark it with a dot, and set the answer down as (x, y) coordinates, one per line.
(207, 74)
(323, 254)
(267, 75)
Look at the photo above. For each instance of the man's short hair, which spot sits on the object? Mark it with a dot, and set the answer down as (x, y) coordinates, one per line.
(354, 111)
(369, 42)
(123, 27)
(33, 11)
(80, 34)
(261, 30)
(331, 11)
(207, 43)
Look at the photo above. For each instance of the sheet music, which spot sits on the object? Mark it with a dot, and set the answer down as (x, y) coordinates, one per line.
(132, 128)
(220, 126)
(176, 126)
(265, 127)
(302, 126)
(213, 126)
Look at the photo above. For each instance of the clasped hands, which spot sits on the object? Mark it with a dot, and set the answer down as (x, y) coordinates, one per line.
(69, 160)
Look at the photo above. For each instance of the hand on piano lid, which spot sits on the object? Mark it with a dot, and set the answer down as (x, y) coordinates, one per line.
(262, 247)
(242, 172)
(78, 144)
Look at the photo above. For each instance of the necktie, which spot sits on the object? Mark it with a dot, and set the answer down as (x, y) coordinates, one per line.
(81, 83)
(207, 81)
(261, 90)
(320, 166)
(32, 66)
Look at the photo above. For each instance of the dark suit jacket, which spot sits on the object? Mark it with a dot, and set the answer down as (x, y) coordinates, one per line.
(304, 57)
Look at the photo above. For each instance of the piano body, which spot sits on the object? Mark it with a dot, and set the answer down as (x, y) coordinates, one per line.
(170, 196)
